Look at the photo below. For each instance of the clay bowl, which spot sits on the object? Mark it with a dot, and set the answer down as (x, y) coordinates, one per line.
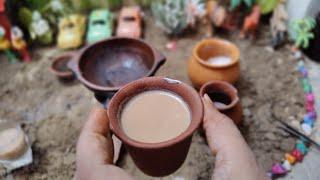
(201, 72)
(225, 97)
(60, 69)
(105, 66)
(157, 159)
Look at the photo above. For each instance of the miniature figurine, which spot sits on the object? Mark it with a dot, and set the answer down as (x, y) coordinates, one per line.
(19, 44)
(251, 23)
(219, 16)
(5, 46)
(278, 24)
(71, 31)
(4, 20)
(129, 22)
(195, 9)
(100, 25)
(303, 31)
(236, 3)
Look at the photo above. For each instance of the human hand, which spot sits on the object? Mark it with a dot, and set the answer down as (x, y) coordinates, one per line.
(234, 159)
(94, 156)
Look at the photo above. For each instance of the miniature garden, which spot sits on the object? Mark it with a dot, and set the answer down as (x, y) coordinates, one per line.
(59, 58)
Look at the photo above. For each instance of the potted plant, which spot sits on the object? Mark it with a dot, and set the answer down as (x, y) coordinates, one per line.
(312, 51)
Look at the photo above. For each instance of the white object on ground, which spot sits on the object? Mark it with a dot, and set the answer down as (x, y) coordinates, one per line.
(219, 60)
(286, 165)
(307, 129)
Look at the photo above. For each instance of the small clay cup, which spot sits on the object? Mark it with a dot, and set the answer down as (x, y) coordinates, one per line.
(60, 69)
(157, 159)
(223, 92)
(201, 72)
(105, 66)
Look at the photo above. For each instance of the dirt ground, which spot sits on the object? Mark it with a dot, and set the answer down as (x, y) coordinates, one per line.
(53, 113)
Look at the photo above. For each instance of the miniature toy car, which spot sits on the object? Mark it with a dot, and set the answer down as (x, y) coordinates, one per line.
(129, 22)
(100, 25)
(71, 31)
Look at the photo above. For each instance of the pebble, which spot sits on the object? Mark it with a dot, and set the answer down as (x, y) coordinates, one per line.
(312, 114)
(297, 54)
(271, 136)
(247, 102)
(310, 98)
(278, 169)
(247, 112)
(286, 165)
(291, 159)
(309, 107)
(304, 72)
(296, 124)
(308, 120)
(301, 147)
(297, 154)
(307, 129)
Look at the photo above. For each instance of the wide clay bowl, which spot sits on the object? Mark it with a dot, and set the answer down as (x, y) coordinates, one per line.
(157, 159)
(200, 71)
(60, 69)
(104, 67)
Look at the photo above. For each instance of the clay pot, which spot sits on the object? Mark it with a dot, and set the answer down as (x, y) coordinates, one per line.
(105, 66)
(157, 159)
(225, 98)
(60, 69)
(201, 72)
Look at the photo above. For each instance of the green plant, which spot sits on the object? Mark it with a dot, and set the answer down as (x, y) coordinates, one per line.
(302, 31)
(267, 6)
(171, 15)
(236, 3)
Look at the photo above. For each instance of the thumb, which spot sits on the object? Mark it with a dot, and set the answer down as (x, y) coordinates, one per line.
(234, 158)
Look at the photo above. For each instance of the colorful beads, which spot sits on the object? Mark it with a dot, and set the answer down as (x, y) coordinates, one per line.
(301, 147)
(307, 128)
(277, 169)
(297, 154)
(291, 159)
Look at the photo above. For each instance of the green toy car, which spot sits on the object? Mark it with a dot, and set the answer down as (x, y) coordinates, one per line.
(100, 25)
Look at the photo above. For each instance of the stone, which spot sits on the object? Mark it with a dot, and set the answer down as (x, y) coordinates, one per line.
(308, 120)
(247, 102)
(271, 136)
(306, 128)
(286, 165)
(309, 107)
(296, 124)
(309, 98)
(301, 147)
(247, 112)
(290, 158)
(297, 154)
(278, 169)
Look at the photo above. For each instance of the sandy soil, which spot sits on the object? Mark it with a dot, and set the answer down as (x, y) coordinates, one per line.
(53, 113)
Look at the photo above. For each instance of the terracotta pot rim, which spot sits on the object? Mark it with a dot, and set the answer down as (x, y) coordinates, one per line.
(222, 41)
(106, 88)
(235, 98)
(120, 98)
(61, 74)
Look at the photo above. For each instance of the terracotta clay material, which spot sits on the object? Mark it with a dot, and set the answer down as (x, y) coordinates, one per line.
(220, 91)
(157, 159)
(201, 72)
(104, 67)
(59, 67)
